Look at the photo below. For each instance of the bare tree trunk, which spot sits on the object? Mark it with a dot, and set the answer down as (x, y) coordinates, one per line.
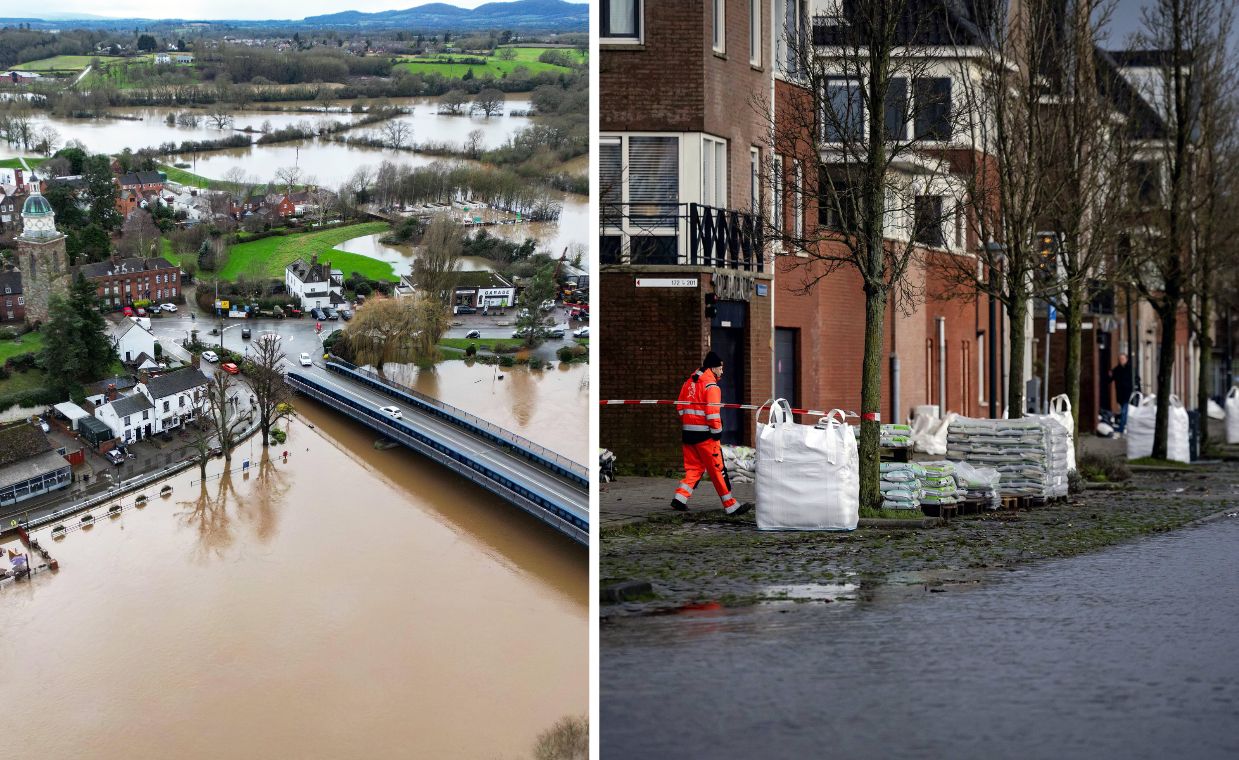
(1017, 312)
(1165, 368)
(871, 399)
(1204, 364)
(1075, 330)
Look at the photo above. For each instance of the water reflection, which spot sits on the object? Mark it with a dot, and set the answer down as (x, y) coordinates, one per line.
(401, 256)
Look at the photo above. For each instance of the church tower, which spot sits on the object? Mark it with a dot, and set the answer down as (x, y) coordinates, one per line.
(41, 256)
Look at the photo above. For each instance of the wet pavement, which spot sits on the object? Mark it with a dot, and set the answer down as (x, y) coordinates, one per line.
(1129, 652)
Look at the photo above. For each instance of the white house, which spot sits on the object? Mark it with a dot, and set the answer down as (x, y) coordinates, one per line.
(315, 285)
(481, 289)
(130, 418)
(163, 58)
(183, 57)
(175, 396)
(131, 340)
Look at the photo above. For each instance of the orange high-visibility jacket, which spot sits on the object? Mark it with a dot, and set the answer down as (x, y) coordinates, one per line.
(701, 420)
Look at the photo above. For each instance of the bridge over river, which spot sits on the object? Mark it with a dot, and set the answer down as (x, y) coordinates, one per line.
(544, 484)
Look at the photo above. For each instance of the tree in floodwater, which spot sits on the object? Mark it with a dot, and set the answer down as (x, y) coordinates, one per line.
(530, 323)
(264, 374)
(396, 133)
(489, 101)
(224, 420)
(381, 332)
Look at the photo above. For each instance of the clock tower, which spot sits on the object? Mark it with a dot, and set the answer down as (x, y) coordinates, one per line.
(41, 256)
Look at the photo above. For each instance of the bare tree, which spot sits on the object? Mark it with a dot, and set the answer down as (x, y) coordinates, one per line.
(473, 141)
(139, 235)
(288, 176)
(431, 318)
(852, 166)
(453, 102)
(396, 133)
(220, 115)
(437, 263)
(224, 420)
(48, 139)
(489, 101)
(188, 119)
(264, 374)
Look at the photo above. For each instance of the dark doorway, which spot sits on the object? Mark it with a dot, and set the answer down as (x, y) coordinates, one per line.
(1104, 362)
(786, 364)
(727, 339)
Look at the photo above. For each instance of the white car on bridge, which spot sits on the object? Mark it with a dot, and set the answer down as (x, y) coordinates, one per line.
(391, 411)
(305, 360)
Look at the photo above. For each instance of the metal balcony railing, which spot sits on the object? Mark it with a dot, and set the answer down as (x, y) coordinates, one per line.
(684, 234)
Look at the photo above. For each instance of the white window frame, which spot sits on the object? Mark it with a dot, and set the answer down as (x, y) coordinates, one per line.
(755, 46)
(719, 28)
(798, 200)
(778, 187)
(624, 39)
(755, 179)
(625, 230)
(714, 171)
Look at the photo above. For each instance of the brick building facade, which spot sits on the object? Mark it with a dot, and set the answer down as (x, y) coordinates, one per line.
(121, 282)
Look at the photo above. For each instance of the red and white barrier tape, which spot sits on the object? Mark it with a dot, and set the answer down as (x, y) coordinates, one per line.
(625, 402)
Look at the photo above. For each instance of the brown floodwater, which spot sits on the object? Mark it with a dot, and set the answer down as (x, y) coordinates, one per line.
(549, 407)
(350, 603)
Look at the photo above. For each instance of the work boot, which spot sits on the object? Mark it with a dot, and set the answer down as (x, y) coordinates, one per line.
(678, 505)
(739, 509)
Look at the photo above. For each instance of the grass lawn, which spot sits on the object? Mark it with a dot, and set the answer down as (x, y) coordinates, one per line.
(275, 253)
(495, 67)
(63, 63)
(30, 342)
(165, 250)
(20, 382)
(16, 163)
(185, 177)
(483, 344)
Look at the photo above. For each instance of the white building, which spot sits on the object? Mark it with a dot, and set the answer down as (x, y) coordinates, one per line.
(130, 418)
(131, 340)
(315, 285)
(175, 396)
(163, 58)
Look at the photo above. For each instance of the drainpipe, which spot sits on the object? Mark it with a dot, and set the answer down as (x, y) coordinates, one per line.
(941, 367)
(775, 187)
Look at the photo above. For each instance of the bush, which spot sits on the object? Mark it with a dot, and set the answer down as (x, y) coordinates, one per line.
(565, 353)
(1102, 469)
(506, 361)
(28, 398)
(535, 363)
(471, 349)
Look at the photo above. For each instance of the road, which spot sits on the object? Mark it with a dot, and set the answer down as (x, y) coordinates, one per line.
(574, 496)
(1127, 653)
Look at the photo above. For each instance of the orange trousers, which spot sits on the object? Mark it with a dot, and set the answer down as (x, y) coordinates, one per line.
(701, 460)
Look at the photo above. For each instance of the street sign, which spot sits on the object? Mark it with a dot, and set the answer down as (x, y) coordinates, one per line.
(1051, 318)
(666, 282)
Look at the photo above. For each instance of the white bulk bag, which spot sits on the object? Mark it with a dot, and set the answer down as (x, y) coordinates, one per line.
(1178, 433)
(1141, 418)
(1216, 412)
(1232, 415)
(808, 478)
(1060, 410)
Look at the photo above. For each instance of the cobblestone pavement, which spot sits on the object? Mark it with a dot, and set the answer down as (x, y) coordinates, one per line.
(705, 555)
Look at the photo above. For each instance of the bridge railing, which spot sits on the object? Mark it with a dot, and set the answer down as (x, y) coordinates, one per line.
(557, 461)
(575, 526)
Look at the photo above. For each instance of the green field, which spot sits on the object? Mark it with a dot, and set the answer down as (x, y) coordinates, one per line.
(483, 344)
(185, 177)
(165, 250)
(16, 163)
(268, 257)
(495, 67)
(30, 343)
(64, 63)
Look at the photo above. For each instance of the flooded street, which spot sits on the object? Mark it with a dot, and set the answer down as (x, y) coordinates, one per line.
(401, 256)
(350, 603)
(1129, 653)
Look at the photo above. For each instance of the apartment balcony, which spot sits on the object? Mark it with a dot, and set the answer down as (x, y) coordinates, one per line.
(684, 234)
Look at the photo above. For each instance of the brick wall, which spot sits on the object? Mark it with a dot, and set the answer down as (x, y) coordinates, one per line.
(660, 85)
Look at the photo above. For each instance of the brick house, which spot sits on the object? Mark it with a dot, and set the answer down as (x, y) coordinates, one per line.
(143, 182)
(12, 303)
(294, 204)
(121, 282)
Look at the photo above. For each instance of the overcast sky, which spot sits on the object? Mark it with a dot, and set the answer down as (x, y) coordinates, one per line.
(240, 9)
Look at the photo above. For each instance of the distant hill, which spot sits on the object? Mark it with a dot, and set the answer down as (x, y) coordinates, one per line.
(548, 15)
(542, 14)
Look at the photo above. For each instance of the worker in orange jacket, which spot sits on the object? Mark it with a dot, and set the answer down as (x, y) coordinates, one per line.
(701, 425)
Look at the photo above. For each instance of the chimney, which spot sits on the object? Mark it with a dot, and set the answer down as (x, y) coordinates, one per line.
(17, 177)
(110, 394)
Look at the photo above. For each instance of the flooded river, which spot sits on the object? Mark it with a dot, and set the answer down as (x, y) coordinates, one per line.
(349, 603)
(1127, 653)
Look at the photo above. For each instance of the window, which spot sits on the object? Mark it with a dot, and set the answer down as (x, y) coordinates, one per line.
(755, 32)
(714, 172)
(639, 183)
(166, 405)
(146, 415)
(961, 227)
(836, 208)
(720, 26)
(798, 201)
(895, 109)
(933, 108)
(778, 187)
(21, 300)
(843, 115)
(789, 41)
(755, 179)
(927, 224)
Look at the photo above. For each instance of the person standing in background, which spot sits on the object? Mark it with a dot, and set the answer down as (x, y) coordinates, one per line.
(1121, 375)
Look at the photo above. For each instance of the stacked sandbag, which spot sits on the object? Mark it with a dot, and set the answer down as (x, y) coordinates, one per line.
(896, 437)
(901, 485)
(1060, 454)
(1142, 423)
(741, 463)
(1018, 449)
(979, 484)
(938, 486)
(1060, 410)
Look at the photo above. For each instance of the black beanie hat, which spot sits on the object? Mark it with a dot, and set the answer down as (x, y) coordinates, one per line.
(711, 361)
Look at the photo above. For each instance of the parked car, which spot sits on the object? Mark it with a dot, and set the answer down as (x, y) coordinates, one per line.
(581, 332)
(245, 333)
(305, 360)
(548, 304)
(556, 332)
(473, 334)
(168, 307)
(230, 368)
(466, 310)
(318, 314)
(141, 312)
(127, 311)
(115, 457)
(293, 311)
(42, 423)
(210, 356)
(579, 315)
(331, 313)
(346, 314)
(391, 411)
